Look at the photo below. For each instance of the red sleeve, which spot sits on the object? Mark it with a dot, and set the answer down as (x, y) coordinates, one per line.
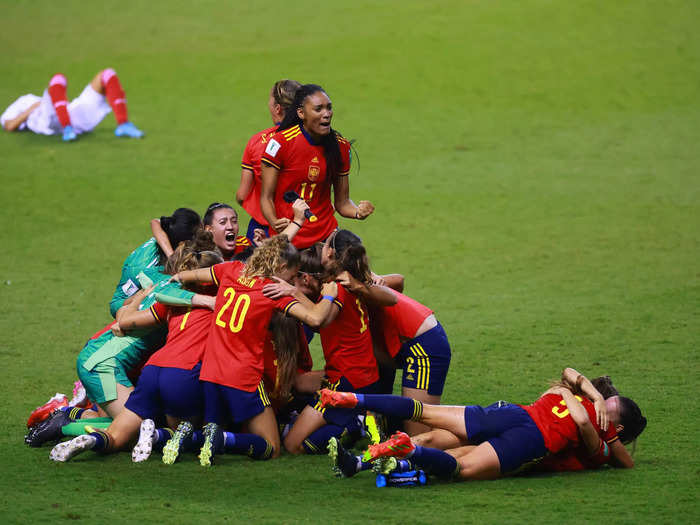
(219, 270)
(285, 304)
(248, 161)
(160, 312)
(274, 152)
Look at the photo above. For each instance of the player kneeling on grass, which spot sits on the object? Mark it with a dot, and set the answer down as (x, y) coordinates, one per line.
(169, 382)
(489, 442)
(52, 114)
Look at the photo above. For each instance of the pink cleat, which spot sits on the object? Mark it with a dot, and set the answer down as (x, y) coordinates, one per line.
(331, 398)
(399, 445)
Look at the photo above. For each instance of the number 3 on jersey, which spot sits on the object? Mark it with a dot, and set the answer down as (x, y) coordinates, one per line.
(240, 308)
(565, 412)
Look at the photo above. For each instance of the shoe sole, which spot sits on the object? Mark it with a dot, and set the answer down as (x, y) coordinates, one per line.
(144, 446)
(69, 449)
(333, 456)
(171, 450)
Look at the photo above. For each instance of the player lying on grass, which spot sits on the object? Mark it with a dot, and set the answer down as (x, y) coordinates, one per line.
(489, 442)
(52, 114)
(169, 382)
(345, 339)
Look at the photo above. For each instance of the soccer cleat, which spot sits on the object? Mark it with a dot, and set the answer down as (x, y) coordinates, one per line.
(48, 430)
(40, 413)
(68, 449)
(172, 448)
(69, 134)
(79, 398)
(399, 445)
(144, 446)
(343, 462)
(128, 130)
(331, 398)
(385, 465)
(213, 443)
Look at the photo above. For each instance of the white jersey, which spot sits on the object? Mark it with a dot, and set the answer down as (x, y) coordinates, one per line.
(86, 112)
(15, 109)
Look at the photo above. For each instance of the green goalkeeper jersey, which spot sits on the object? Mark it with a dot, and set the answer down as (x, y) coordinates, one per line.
(145, 259)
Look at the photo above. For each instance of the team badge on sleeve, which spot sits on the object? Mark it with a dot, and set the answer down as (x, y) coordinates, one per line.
(272, 148)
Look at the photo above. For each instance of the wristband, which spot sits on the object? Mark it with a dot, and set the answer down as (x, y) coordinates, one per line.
(295, 222)
(329, 297)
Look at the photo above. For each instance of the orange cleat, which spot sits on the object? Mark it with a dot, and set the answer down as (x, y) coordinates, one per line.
(44, 411)
(331, 398)
(399, 445)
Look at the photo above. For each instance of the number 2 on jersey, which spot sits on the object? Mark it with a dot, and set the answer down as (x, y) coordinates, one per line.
(240, 308)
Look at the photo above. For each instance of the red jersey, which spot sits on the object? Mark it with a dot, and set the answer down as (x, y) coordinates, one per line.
(402, 321)
(242, 243)
(347, 343)
(188, 331)
(579, 458)
(234, 350)
(251, 161)
(552, 417)
(302, 168)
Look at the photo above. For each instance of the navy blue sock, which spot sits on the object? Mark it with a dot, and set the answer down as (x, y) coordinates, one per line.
(101, 440)
(252, 445)
(403, 465)
(161, 437)
(317, 442)
(435, 461)
(74, 412)
(194, 442)
(401, 407)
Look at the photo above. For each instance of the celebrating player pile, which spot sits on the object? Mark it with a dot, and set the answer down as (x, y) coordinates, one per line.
(222, 323)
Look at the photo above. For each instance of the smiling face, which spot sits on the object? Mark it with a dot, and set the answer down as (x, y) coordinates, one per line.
(316, 113)
(224, 229)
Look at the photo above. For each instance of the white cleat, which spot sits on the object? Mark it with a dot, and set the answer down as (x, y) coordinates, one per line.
(66, 450)
(144, 446)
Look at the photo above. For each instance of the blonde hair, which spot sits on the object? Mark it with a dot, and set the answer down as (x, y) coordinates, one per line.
(200, 252)
(269, 258)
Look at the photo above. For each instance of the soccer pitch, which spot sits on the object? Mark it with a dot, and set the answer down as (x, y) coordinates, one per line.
(535, 171)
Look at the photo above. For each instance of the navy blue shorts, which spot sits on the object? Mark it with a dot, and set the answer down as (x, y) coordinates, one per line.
(342, 416)
(511, 432)
(225, 403)
(252, 226)
(167, 391)
(425, 360)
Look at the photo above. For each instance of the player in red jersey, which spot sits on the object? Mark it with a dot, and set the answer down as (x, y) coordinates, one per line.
(169, 382)
(506, 436)
(233, 363)
(308, 157)
(347, 346)
(248, 193)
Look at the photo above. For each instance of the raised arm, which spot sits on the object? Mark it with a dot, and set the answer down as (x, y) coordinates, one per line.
(13, 124)
(161, 237)
(315, 315)
(344, 205)
(374, 294)
(589, 434)
(580, 383)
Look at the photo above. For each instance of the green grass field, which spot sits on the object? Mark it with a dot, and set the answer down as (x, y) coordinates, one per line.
(535, 171)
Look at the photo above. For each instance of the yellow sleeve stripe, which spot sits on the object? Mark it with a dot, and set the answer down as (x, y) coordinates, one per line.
(294, 130)
(338, 303)
(270, 163)
(213, 276)
(242, 241)
(247, 166)
(344, 173)
(286, 308)
(613, 439)
(290, 137)
(155, 314)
